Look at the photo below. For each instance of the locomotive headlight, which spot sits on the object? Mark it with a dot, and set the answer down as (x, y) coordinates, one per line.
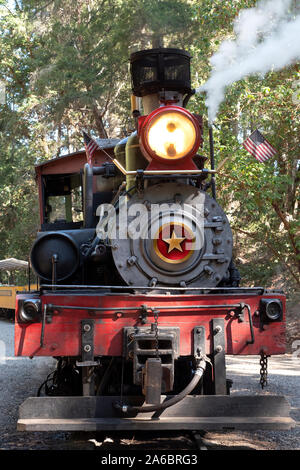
(170, 134)
(271, 310)
(29, 310)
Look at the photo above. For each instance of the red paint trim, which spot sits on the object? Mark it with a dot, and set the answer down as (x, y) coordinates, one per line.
(186, 164)
(62, 336)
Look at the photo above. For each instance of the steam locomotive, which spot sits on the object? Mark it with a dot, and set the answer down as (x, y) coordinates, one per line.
(139, 302)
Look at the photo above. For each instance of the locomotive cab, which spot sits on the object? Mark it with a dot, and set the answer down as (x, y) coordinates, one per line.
(139, 299)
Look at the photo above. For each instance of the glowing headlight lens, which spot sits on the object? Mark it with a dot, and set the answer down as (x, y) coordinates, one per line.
(171, 135)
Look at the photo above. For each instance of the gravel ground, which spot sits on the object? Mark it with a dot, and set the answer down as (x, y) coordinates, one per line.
(283, 379)
(21, 377)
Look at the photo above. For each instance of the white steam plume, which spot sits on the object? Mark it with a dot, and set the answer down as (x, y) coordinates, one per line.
(267, 38)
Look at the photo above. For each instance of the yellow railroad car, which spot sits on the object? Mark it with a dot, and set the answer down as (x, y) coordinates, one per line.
(8, 292)
(8, 295)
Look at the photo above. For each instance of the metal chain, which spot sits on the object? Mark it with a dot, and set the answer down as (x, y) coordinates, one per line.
(263, 369)
(155, 316)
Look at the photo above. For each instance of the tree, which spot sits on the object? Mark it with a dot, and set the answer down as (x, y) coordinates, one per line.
(65, 65)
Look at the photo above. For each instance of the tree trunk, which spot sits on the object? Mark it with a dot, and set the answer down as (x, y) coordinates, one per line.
(99, 122)
(157, 41)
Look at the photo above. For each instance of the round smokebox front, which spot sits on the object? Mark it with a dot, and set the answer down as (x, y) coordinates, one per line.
(175, 235)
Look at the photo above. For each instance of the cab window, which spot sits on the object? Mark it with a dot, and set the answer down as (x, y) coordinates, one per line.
(63, 207)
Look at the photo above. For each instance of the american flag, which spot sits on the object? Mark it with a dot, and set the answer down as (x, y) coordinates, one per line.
(90, 147)
(259, 147)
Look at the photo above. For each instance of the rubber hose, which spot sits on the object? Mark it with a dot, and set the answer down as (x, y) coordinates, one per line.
(166, 404)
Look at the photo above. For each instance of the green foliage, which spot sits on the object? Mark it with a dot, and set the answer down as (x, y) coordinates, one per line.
(65, 67)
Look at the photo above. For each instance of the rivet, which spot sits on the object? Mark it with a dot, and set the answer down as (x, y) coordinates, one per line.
(208, 270)
(153, 282)
(218, 329)
(131, 260)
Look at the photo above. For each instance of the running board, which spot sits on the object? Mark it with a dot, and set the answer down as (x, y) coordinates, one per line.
(204, 412)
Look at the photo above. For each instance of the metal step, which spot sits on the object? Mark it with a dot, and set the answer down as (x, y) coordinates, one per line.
(211, 413)
(126, 424)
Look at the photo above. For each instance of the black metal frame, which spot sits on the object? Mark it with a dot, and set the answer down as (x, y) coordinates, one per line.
(87, 362)
(219, 290)
(219, 365)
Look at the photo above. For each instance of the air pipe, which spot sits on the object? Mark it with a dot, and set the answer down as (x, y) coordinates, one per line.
(167, 403)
